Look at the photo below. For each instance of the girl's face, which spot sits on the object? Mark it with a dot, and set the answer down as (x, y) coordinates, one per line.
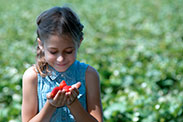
(60, 53)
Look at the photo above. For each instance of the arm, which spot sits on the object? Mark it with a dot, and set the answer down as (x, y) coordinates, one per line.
(30, 100)
(94, 105)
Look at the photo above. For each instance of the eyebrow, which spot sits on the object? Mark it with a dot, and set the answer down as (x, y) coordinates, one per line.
(57, 48)
(52, 48)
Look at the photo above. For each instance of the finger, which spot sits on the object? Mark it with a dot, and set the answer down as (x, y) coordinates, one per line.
(58, 95)
(71, 99)
(63, 100)
(59, 98)
(48, 96)
(73, 91)
(77, 85)
(76, 91)
(68, 100)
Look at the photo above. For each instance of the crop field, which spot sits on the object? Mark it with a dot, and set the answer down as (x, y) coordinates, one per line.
(135, 45)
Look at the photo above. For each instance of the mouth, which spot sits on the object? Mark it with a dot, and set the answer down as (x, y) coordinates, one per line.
(61, 64)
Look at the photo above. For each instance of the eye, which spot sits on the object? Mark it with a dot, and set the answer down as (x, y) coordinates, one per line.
(53, 52)
(68, 52)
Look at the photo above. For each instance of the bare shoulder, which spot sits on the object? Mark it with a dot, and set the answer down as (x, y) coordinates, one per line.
(92, 78)
(94, 105)
(29, 93)
(92, 73)
(30, 75)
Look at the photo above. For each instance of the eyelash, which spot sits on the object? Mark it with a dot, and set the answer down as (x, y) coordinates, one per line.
(70, 52)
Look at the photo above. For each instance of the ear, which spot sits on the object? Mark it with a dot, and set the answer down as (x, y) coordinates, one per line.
(80, 42)
(40, 44)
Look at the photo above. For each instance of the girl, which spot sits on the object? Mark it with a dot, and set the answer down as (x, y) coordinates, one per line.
(59, 36)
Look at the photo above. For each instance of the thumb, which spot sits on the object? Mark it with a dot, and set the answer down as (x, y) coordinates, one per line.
(77, 85)
(48, 95)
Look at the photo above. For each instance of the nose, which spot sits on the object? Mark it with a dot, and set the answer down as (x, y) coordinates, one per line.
(60, 58)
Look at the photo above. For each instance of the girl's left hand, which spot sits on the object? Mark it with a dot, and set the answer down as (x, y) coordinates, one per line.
(73, 93)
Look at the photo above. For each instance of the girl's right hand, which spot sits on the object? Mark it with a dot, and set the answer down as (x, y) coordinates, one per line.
(59, 100)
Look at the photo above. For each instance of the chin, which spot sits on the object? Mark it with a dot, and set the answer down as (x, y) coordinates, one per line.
(62, 68)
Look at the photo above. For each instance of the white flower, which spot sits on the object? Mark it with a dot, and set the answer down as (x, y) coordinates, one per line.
(157, 106)
(135, 119)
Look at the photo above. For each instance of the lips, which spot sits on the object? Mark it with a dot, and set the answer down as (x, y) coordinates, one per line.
(61, 64)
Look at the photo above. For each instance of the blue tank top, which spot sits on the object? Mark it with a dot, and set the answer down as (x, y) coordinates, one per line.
(75, 73)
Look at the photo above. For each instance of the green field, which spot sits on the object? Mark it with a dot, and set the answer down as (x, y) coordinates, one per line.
(136, 46)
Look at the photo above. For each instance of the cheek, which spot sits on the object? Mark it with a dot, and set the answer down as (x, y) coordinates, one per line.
(49, 57)
(74, 55)
(71, 57)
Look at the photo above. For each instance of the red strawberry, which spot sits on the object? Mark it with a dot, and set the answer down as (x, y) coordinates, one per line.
(66, 88)
(62, 84)
(54, 91)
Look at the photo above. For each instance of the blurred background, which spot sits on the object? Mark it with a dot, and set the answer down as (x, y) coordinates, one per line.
(136, 46)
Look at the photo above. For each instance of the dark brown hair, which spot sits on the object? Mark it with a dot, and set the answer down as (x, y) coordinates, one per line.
(60, 21)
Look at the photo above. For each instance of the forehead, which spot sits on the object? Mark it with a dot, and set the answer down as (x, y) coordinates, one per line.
(58, 42)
